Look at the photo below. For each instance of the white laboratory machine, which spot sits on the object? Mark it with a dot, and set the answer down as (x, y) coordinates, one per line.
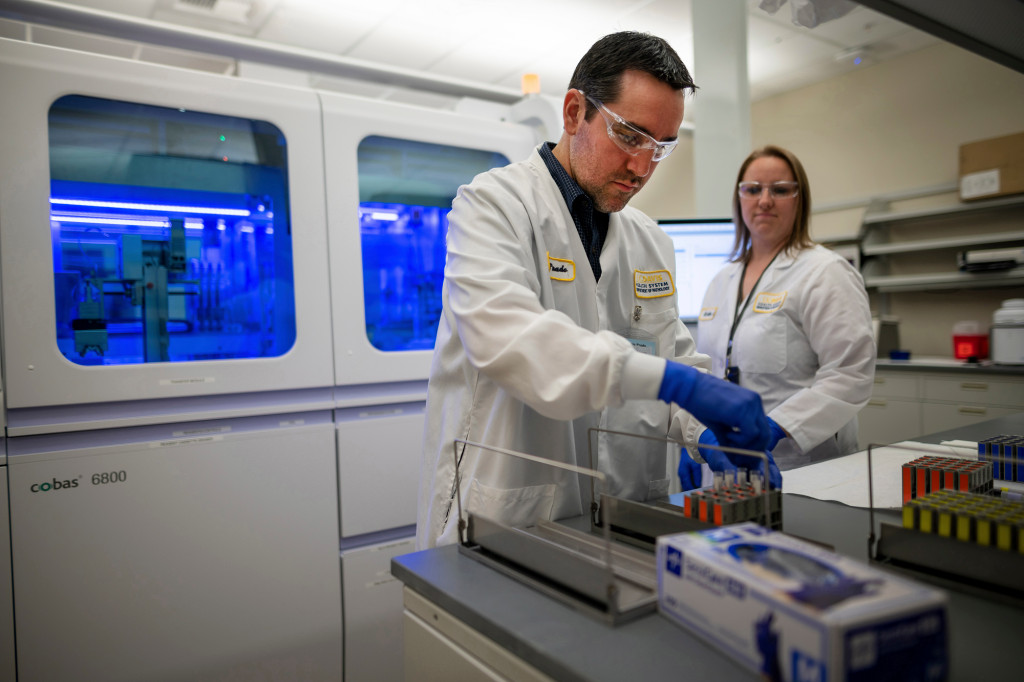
(171, 459)
(392, 171)
(219, 304)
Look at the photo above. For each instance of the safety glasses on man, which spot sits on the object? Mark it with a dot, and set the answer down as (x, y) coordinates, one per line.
(628, 137)
(776, 190)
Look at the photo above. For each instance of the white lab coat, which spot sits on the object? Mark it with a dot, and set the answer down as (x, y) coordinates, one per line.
(804, 344)
(528, 358)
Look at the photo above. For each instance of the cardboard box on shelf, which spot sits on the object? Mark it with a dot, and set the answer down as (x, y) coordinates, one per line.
(992, 168)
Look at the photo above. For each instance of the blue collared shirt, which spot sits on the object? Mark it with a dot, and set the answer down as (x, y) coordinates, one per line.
(591, 224)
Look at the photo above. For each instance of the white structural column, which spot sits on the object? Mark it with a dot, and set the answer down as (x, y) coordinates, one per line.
(722, 103)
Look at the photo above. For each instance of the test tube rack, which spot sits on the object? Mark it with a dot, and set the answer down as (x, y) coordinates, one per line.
(1006, 454)
(734, 500)
(969, 517)
(929, 474)
(956, 530)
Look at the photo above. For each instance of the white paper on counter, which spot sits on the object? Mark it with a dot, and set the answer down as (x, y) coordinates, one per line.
(845, 479)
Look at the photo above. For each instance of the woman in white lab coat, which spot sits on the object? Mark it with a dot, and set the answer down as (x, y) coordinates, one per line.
(789, 318)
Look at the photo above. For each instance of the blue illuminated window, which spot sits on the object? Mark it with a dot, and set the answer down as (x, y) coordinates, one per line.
(171, 234)
(405, 193)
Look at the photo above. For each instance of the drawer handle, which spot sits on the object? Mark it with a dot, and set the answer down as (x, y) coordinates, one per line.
(972, 410)
(973, 386)
(878, 402)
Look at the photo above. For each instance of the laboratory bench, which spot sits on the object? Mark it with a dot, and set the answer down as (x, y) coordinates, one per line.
(462, 613)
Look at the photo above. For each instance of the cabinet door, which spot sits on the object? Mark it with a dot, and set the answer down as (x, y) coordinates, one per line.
(373, 612)
(893, 385)
(976, 390)
(884, 420)
(379, 449)
(438, 647)
(940, 417)
(210, 555)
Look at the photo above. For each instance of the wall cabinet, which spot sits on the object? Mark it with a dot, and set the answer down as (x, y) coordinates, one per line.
(906, 404)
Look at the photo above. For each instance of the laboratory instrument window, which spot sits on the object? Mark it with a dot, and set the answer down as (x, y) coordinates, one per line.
(170, 232)
(405, 193)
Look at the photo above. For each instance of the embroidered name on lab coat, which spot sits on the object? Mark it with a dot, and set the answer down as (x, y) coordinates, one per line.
(707, 314)
(769, 303)
(561, 269)
(652, 284)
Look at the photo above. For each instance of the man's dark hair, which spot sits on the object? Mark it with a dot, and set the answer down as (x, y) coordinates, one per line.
(599, 73)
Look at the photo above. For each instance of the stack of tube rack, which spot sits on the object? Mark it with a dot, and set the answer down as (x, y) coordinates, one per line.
(735, 499)
(982, 519)
(1006, 453)
(931, 473)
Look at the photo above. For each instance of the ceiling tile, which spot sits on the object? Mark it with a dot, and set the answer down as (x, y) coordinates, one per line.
(486, 59)
(399, 43)
(795, 51)
(860, 27)
(334, 32)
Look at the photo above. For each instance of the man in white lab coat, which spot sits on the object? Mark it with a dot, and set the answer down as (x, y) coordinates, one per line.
(560, 315)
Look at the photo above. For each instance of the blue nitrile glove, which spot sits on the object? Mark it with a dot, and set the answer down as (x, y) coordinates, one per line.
(716, 459)
(729, 461)
(733, 413)
(777, 434)
(689, 471)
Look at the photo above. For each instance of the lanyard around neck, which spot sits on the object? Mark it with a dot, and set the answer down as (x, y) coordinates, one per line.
(740, 309)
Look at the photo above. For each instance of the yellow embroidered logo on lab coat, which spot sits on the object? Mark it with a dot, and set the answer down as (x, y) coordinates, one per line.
(561, 269)
(768, 303)
(707, 314)
(653, 283)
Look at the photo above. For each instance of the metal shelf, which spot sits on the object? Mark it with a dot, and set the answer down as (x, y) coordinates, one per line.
(941, 211)
(874, 227)
(882, 248)
(946, 280)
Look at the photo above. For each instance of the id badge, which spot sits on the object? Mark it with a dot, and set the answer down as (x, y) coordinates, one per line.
(643, 342)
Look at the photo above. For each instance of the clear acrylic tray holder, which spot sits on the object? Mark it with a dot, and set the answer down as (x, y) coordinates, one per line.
(578, 563)
(588, 572)
(640, 522)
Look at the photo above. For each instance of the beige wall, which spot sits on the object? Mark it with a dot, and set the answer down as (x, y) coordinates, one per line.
(890, 127)
(669, 192)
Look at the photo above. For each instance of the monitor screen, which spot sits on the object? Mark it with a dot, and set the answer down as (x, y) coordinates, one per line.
(702, 249)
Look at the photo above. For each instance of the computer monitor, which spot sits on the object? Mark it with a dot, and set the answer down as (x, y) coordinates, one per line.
(702, 249)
